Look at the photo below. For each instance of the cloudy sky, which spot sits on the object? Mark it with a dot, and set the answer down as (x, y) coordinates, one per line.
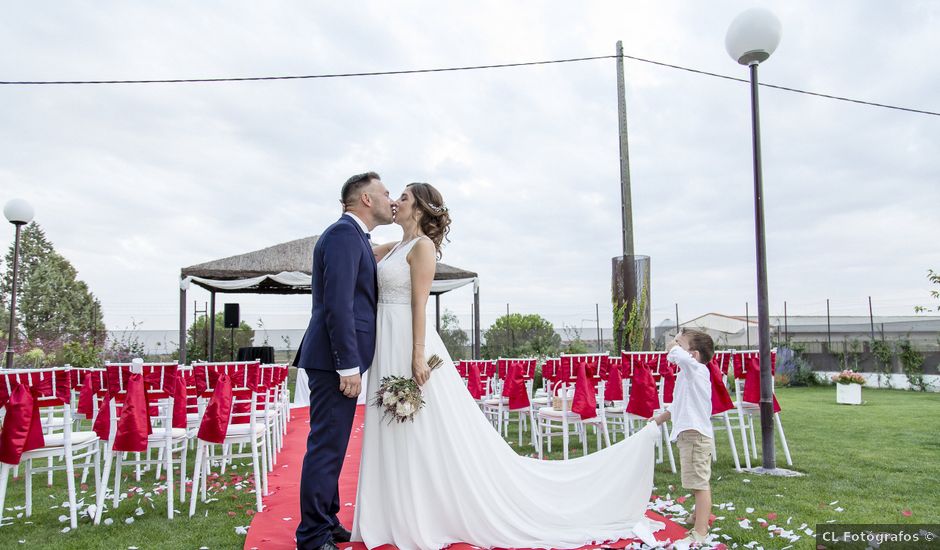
(133, 182)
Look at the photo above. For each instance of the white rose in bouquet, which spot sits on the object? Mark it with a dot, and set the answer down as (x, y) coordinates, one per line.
(405, 409)
(388, 399)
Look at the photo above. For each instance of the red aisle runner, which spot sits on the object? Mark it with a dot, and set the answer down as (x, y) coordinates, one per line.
(274, 527)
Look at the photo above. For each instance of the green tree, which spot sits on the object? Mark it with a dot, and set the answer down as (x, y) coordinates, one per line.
(934, 278)
(517, 335)
(575, 344)
(53, 306)
(455, 339)
(197, 344)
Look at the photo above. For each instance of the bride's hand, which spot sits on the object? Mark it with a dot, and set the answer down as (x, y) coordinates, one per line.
(420, 370)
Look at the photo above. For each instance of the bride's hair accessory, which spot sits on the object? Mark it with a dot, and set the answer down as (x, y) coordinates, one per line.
(436, 209)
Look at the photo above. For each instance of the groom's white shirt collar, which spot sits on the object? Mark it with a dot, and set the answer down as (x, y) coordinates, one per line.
(354, 370)
(358, 221)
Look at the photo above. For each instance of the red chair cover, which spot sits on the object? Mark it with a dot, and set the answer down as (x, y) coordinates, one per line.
(241, 407)
(613, 391)
(752, 381)
(133, 427)
(584, 403)
(721, 399)
(22, 426)
(644, 399)
(102, 424)
(474, 383)
(550, 370)
(86, 396)
(723, 360)
(179, 401)
(668, 373)
(515, 388)
(53, 386)
(214, 424)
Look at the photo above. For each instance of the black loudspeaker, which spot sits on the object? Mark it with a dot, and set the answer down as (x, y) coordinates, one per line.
(231, 316)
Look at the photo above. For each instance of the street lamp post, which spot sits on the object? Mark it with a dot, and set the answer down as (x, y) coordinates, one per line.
(19, 213)
(752, 37)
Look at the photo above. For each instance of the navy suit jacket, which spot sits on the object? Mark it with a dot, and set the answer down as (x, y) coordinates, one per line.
(341, 333)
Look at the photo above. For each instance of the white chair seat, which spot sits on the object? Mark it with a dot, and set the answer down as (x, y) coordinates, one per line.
(192, 416)
(159, 435)
(540, 400)
(55, 422)
(242, 429)
(551, 412)
(495, 401)
(78, 438)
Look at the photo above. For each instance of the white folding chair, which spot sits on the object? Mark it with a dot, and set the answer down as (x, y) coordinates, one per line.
(54, 388)
(243, 429)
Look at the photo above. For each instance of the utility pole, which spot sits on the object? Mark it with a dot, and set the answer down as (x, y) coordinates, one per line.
(626, 202)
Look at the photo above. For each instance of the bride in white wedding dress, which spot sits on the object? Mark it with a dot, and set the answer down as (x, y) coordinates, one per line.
(449, 476)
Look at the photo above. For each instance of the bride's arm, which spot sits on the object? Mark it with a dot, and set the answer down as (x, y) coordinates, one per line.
(423, 262)
(381, 250)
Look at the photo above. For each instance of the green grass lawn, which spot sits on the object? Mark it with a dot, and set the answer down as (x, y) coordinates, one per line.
(231, 505)
(878, 462)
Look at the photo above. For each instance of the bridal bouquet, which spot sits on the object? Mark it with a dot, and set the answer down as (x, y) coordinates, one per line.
(400, 396)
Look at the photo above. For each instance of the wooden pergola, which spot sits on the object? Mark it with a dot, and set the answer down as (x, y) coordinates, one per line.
(285, 269)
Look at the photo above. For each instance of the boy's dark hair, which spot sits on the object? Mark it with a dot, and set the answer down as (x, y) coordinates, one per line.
(353, 187)
(700, 342)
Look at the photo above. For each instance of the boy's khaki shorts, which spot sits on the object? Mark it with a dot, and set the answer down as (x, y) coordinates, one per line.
(695, 459)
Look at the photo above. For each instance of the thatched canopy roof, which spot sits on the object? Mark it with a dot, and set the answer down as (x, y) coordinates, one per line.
(285, 269)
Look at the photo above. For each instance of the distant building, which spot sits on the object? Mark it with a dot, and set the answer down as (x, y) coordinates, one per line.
(842, 331)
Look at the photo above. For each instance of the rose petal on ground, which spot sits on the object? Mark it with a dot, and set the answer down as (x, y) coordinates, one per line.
(907, 512)
(129, 521)
(108, 521)
(772, 516)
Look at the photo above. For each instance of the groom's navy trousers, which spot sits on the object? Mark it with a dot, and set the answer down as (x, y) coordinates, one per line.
(341, 335)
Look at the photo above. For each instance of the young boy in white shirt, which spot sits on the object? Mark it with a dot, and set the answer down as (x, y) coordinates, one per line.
(691, 412)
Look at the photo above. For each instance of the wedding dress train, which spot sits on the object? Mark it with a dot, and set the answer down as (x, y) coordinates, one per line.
(450, 477)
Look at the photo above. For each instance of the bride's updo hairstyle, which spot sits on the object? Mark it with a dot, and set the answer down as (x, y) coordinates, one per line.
(435, 219)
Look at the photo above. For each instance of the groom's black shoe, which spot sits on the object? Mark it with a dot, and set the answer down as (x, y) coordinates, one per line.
(328, 545)
(340, 534)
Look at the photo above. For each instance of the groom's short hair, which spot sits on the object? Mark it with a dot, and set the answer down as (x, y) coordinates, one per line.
(354, 186)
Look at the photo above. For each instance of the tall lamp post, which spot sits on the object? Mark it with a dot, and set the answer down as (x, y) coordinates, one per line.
(19, 213)
(752, 36)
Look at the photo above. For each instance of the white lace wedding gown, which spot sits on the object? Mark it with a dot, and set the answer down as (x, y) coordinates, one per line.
(449, 477)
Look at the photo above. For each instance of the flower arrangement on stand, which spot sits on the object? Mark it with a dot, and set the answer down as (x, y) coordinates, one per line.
(849, 387)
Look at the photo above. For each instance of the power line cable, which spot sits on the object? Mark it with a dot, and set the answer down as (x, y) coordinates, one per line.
(454, 69)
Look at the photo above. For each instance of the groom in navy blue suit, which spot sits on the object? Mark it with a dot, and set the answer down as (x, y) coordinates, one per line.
(336, 349)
